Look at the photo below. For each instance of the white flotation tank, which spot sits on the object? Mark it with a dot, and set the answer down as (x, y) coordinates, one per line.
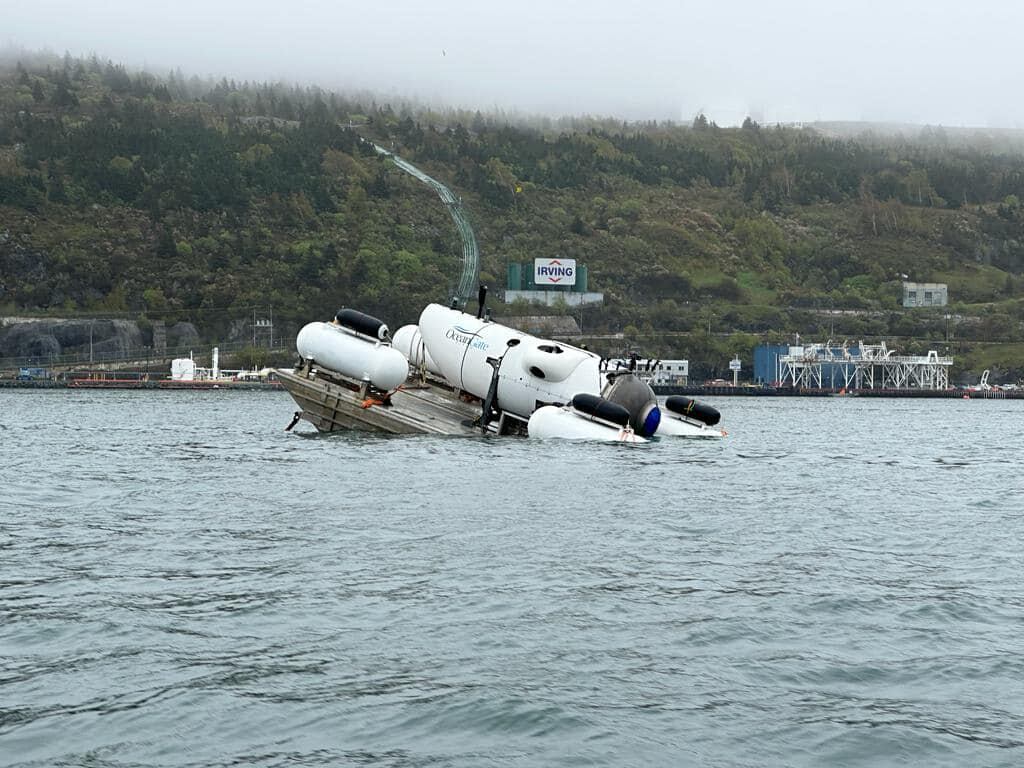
(587, 417)
(674, 426)
(357, 357)
(409, 341)
(686, 417)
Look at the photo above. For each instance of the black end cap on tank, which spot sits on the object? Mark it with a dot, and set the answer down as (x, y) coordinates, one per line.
(360, 322)
(599, 408)
(687, 406)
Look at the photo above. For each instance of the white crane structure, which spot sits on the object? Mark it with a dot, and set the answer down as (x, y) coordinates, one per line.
(866, 366)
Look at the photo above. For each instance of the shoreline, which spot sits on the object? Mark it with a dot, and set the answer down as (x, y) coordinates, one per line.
(936, 394)
(161, 385)
(661, 391)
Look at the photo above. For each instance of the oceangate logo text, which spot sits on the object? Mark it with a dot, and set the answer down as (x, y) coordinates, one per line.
(464, 336)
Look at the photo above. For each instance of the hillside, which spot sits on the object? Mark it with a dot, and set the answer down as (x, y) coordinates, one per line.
(173, 198)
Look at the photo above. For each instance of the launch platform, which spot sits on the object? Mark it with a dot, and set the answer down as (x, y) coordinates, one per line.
(332, 403)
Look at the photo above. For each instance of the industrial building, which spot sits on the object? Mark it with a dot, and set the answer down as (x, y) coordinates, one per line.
(671, 373)
(865, 366)
(657, 373)
(925, 295)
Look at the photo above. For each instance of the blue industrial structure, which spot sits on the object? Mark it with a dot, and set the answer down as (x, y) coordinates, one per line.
(767, 370)
(766, 362)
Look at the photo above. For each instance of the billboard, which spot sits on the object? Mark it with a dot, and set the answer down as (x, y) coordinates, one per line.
(554, 272)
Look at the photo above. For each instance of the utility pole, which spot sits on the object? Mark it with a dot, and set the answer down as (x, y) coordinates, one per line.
(261, 325)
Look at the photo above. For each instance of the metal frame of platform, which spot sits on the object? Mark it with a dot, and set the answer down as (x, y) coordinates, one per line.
(868, 366)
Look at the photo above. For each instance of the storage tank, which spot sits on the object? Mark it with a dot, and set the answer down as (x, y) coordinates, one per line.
(515, 276)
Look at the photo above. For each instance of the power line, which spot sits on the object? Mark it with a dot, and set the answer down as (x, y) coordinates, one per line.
(135, 314)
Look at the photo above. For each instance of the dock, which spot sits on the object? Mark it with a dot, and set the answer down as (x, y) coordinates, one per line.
(332, 403)
(756, 391)
(150, 384)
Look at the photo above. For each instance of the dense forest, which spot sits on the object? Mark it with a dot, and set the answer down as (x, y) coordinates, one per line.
(170, 197)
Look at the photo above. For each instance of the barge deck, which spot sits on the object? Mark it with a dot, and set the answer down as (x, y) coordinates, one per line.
(331, 404)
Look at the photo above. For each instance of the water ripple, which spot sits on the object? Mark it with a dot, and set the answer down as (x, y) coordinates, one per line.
(184, 584)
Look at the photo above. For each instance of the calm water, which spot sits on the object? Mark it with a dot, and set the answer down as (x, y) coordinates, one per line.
(182, 583)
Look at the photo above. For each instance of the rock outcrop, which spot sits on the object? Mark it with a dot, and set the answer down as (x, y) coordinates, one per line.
(49, 338)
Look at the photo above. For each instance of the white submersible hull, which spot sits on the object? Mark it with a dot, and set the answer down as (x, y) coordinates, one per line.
(530, 372)
(472, 374)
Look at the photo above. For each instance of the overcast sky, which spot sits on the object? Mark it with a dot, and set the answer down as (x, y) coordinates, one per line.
(918, 61)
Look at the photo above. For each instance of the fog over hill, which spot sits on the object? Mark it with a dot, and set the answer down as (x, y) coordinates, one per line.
(938, 62)
(166, 197)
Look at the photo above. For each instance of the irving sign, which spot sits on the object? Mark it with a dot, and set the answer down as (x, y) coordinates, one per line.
(554, 272)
